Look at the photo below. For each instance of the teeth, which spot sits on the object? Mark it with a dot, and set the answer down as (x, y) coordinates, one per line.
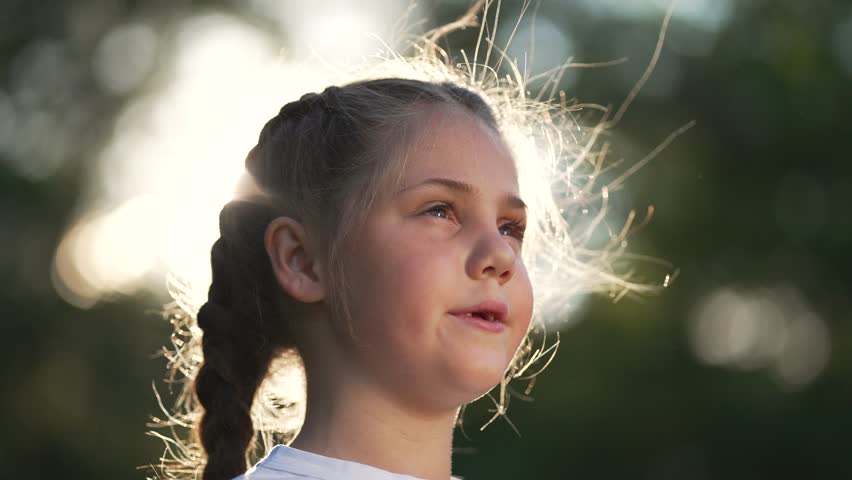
(484, 316)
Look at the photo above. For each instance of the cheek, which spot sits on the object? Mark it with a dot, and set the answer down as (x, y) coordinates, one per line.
(522, 302)
(395, 286)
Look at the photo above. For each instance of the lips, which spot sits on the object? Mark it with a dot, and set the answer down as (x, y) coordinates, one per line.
(491, 311)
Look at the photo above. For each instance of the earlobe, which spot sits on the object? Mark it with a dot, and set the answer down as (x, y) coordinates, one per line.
(293, 263)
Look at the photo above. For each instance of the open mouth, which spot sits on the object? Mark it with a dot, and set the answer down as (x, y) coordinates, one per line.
(483, 315)
(490, 310)
(482, 321)
(488, 315)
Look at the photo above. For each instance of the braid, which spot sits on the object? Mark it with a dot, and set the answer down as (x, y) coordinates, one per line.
(236, 344)
(298, 109)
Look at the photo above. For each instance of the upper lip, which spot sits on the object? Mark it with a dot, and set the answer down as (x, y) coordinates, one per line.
(497, 310)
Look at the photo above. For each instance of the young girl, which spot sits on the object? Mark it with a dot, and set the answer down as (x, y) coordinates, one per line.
(377, 238)
(382, 242)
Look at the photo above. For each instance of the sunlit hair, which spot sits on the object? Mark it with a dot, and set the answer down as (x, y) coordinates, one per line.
(323, 160)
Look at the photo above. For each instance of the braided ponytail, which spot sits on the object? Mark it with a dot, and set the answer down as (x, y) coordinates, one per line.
(241, 335)
(237, 346)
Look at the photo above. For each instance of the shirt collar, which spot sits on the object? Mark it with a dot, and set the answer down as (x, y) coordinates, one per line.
(287, 459)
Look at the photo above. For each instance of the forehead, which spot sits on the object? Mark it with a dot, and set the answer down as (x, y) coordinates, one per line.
(450, 142)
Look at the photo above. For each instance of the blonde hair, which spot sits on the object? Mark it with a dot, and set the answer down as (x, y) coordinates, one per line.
(330, 153)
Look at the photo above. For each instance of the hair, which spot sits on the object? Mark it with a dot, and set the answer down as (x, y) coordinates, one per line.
(321, 160)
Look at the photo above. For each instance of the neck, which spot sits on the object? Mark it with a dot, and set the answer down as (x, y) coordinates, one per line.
(350, 419)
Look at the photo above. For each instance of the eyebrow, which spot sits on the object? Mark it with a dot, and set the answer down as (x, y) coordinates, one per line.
(512, 201)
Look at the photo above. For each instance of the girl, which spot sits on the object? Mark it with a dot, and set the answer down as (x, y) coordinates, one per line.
(376, 242)
(381, 241)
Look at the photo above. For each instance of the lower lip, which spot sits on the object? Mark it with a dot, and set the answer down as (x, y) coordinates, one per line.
(488, 326)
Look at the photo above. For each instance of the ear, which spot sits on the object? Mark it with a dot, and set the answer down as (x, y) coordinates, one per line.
(295, 267)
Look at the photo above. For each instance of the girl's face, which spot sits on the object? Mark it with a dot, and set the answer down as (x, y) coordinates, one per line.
(433, 256)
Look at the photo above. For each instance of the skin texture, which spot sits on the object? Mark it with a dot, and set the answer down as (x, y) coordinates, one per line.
(389, 397)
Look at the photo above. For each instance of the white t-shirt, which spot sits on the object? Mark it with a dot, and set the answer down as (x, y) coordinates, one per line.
(288, 463)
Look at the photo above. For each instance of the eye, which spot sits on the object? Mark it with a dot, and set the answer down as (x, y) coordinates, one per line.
(513, 229)
(440, 210)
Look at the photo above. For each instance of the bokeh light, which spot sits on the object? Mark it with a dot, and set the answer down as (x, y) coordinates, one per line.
(772, 327)
(178, 146)
(124, 57)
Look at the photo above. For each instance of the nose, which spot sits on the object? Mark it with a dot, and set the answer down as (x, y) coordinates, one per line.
(492, 256)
